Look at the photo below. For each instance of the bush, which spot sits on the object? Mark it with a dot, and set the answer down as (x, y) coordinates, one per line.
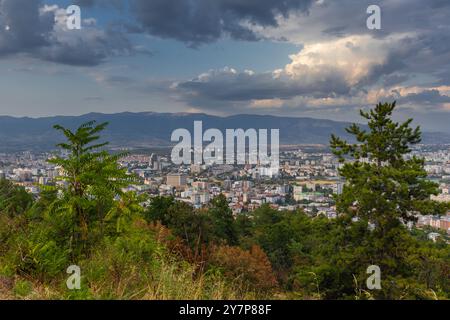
(251, 267)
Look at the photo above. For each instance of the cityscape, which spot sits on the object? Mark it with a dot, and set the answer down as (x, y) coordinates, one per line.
(307, 179)
(230, 157)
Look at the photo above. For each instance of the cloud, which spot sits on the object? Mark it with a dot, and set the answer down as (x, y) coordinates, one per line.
(118, 4)
(330, 19)
(342, 63)
(85, 3)
(421, 28)
(203, 21)
(319, 71)
(23, 27)
(426, 97)
(112, 81)
(39, 31)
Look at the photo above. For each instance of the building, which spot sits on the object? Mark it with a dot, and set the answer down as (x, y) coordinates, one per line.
(23, 174)
(200, 185)
(441, 197)
(176, 180)
(339, 188)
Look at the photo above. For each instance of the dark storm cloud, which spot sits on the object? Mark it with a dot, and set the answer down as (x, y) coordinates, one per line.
(443, 77)
(348, 17)
(425, 26)
(394, 79)
(412, 48)
(227, 85)
(203, 21)
(27, 29)
(426, 97)
(118, 4)
(425, 46)
(426, 53)
(88, 50)
(84, 3)
(414, 44)
(22, 27)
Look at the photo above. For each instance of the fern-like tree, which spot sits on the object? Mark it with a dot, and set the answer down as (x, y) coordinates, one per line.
(385, 186)
(14, 200)
(92, 180)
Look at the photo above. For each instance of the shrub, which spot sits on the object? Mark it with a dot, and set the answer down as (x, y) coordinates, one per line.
(251, 267)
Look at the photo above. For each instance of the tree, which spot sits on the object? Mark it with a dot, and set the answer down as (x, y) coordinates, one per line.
(223, 222)
(243, 226)
(385, 184)
(273, 232)
(384, 187)
(158, 210)
(93, 178)
(47, 196)
(123, 210)
(251, 267)
(14, 200)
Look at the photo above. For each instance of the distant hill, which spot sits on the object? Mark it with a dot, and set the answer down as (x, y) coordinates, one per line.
(150, 129)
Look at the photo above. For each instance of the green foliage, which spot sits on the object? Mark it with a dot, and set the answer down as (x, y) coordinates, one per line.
(273, 232)
(124, 210)
(87, 220)
(170, 250)
(159, 209)
(48, 195)
(243, 225)
(14, 200)
(384, 185)
(222, 220)
(122, 266)
(22, 288)
(135, 265)
(196, 227)
(93, 180)
(383, 188)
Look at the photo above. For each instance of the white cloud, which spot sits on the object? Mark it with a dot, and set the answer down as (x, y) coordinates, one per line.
(351, 57)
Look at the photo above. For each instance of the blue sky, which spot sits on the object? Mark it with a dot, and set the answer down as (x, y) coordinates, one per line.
(312, 58)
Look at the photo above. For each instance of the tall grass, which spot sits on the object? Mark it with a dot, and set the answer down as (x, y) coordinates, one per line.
(132, 266)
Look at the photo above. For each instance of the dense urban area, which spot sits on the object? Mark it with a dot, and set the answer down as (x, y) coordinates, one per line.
(307, 179)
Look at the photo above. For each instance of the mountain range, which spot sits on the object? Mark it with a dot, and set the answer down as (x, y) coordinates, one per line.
(151, 129)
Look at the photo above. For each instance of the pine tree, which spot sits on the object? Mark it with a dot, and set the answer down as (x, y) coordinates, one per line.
(385, 187)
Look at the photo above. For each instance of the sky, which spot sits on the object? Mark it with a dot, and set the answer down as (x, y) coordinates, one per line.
(306, 58)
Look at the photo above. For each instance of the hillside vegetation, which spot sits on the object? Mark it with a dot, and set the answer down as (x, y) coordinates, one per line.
(168, 250)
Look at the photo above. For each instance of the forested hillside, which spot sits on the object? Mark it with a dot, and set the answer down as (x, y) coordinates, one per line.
(169, 250)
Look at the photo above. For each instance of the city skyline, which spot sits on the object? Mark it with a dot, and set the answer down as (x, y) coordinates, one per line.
(292, 58)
